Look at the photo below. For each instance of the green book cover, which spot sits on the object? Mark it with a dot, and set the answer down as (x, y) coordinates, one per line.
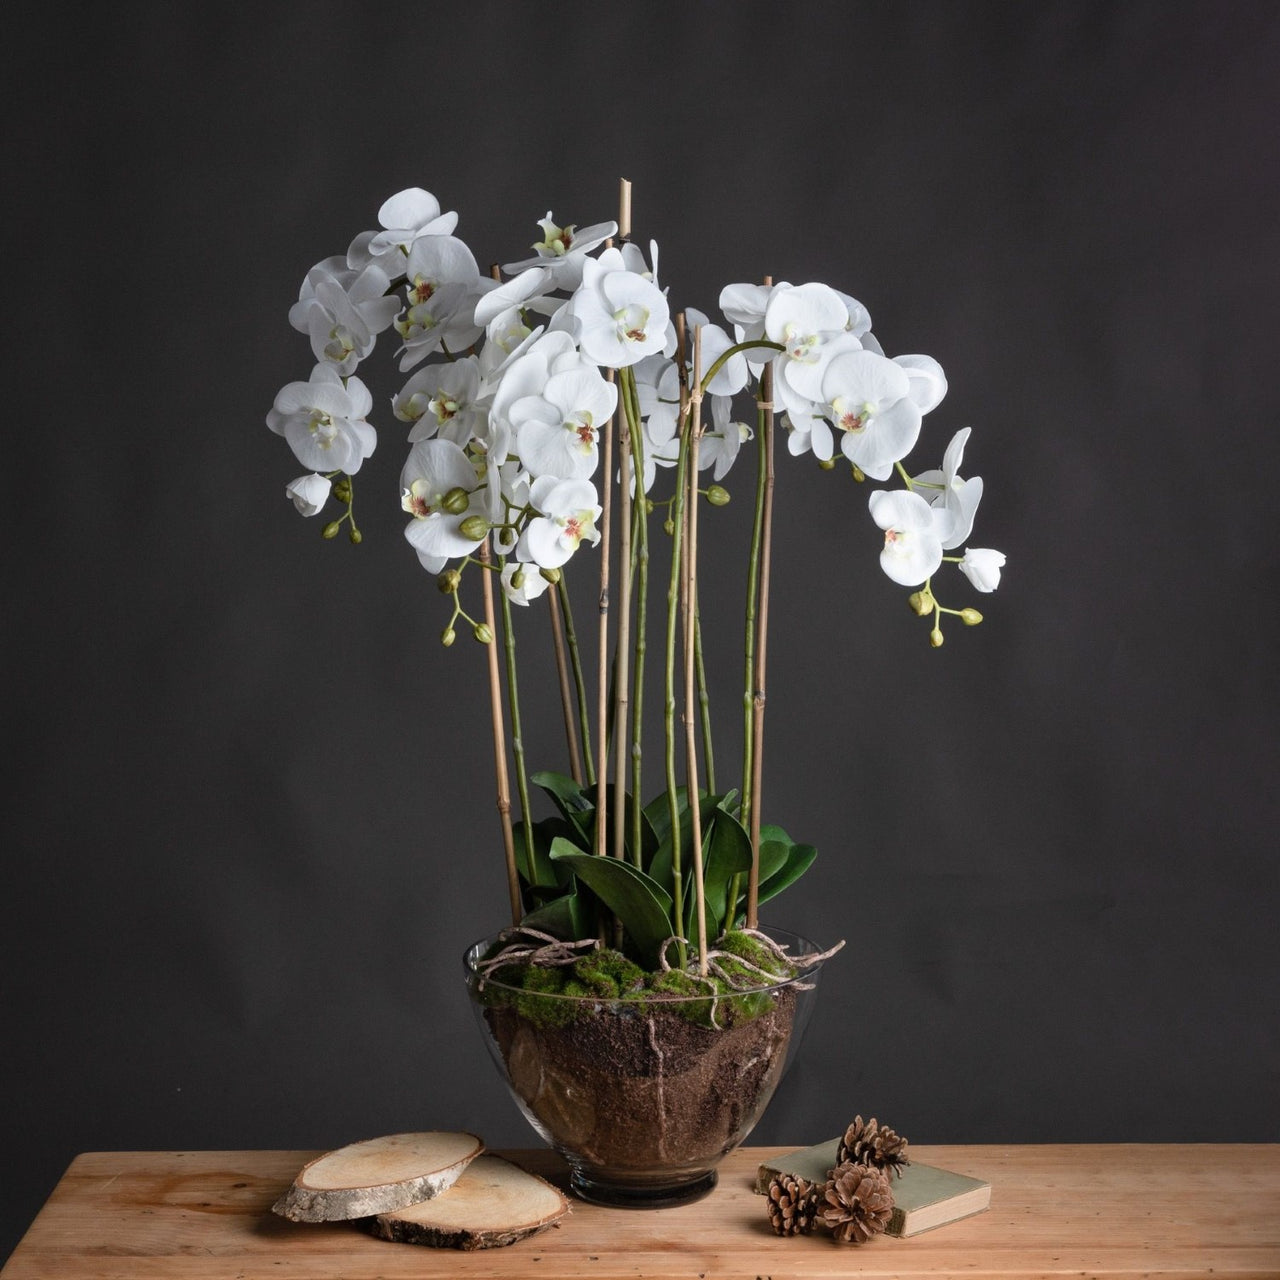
(923, 1197)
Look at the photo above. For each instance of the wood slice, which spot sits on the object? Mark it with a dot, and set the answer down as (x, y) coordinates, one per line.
(377, 1176)
(493, 1203)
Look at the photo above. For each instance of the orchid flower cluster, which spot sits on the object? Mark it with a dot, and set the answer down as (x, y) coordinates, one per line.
(516, 389)
(505, 421)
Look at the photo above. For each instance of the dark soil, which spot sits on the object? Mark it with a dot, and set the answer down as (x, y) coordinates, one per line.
(633, 1091)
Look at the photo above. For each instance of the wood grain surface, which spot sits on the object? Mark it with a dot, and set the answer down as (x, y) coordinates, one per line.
(1170, 1211)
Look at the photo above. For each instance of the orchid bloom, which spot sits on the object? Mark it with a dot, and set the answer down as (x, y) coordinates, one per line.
(406, 217)
(343, 311)
(569, 511)
(308, 493)
(912, 549)
(323, 420)
(868, 401)
(620, 317)
(982, 567)
(442, 399)
(557, 430)
(434, 475)
(563, 250)
(957, 503)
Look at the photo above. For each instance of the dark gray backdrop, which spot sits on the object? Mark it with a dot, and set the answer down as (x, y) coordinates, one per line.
(250, 822)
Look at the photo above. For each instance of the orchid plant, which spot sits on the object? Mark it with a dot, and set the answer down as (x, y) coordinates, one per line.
(530, 398)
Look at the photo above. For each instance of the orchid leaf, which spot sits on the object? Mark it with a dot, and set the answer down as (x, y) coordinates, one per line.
(643, 906)
(566, 917)
(570, 799)
(799, 859)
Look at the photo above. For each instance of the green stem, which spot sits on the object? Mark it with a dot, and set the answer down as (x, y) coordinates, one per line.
(753, 592)
(726, 356)
(517, 741)
(704, 701)
(640, 575)
(579, 682)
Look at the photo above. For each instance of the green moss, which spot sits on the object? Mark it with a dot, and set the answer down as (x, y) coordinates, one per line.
(607, 975)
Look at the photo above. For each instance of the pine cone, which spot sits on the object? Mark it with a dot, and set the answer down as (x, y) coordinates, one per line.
(793, 1204)
(873, 1145)
(856, 1203)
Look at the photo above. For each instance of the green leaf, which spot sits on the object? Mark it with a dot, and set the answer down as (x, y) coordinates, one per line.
(799, 859)
(570, 799)
(726, 852)
(643, 906)
(660, 866)
(566, 917)
(540, 872)
(773, 856)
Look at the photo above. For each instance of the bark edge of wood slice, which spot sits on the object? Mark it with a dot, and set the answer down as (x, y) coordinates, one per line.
(494, 1203)
(378, 1175)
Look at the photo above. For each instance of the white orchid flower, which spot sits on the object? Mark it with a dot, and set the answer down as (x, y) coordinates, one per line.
(912, 549)
(982, 567)
(619, 316)
(557, 431)
(442, 399)
(719, 447)
(562, 250)
(408, 216)
(870, 404)
(433, 473)
(809, 322)
(308, 493)
(957, 503)
(343, 311)
(569, 511)
(323, 420)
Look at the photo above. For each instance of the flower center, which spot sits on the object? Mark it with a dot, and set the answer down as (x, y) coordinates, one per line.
(418, 500)
(421, 290)
(852, 417)
(340, 344)
(582, 427)
(632, 322)
(800, 346)
(444, 407)
(322, 427)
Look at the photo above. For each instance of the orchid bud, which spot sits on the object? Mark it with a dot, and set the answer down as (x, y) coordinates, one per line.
(669, 526)
(921, 603)
(970, 617)
(449, 581)
(827, 464)
(858, 474)
(483, 633)
(551, 575)
(332, 529)
(936, 637)
(448, 636)
(474, 527)
(355, 535)
(342, 490)
(517, 579)
(456, 501)
(648, 506)
(718, 496)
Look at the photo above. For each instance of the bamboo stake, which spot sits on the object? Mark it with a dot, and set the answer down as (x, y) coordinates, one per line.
(690, 608)
(762, 637)
(566, 693)
(500, 740)
(669, 663)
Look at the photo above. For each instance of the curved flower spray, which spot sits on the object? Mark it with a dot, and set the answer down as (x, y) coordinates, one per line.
(528, 402)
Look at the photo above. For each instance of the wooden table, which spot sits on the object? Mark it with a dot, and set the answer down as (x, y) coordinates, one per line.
(1055, 1211)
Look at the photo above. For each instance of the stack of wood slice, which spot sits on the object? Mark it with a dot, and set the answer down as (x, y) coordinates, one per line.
(425, 1188)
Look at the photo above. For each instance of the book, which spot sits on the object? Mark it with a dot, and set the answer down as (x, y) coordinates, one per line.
(924, 1197)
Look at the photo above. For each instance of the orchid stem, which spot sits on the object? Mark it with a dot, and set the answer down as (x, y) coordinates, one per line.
(579, 681)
